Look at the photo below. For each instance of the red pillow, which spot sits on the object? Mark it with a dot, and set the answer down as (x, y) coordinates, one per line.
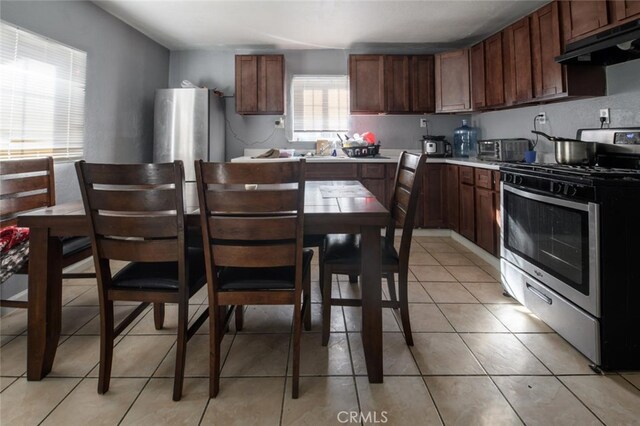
(11, 236)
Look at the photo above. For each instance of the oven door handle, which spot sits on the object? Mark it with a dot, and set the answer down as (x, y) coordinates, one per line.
(549, 200)
(546, 299)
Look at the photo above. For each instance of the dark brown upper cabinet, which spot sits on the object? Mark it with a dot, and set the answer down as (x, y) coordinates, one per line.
(260, 84)
(422, 84)
(520, 79)
(366, 83)
(494, 71)
(625, 9)
(452, 81)
(546, 44)
(397, 83)
(582, 18)
(477, 76)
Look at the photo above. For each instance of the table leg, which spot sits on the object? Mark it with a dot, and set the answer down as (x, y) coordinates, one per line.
(45, 302)
(371, 276)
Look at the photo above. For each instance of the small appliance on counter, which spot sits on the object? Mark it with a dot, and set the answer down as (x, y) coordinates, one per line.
(503, 149)
(436, 146)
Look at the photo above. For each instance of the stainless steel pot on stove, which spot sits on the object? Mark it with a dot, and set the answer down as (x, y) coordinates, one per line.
(572, 151)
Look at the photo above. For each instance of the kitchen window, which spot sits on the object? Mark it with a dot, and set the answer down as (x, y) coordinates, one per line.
(42, 87)
(320, 106)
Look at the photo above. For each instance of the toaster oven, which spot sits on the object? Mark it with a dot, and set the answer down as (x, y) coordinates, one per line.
(503, 149)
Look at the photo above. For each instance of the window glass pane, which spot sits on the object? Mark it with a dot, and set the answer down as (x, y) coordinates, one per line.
(320, 106)
(42, 87)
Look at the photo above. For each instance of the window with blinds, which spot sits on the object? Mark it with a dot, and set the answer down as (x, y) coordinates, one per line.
(320, 106)
(42, 87)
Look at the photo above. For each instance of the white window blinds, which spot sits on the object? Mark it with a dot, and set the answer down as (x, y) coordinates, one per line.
(320, 106)
(42, 87)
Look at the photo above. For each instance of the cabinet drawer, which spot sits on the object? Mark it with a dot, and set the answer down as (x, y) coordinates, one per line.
(484, 179)
(466, 175)
(324, 171)
(372, 171)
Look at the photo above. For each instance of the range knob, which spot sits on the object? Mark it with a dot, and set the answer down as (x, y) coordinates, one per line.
(570, 190)
(517, 180)
(508, 177)
(556, 187)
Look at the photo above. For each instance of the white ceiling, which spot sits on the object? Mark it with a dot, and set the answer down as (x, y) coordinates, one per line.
(327, 24)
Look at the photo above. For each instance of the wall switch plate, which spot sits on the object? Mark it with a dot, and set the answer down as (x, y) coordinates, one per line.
(541, 118)
(604, 113)
(280, 123)
(423, 122)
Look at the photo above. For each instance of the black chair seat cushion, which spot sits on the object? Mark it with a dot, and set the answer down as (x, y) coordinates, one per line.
(344, 249)
(278, 278)
(73, 245)
(161, 275)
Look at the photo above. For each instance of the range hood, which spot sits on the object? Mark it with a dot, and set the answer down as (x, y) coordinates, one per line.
(609, 47)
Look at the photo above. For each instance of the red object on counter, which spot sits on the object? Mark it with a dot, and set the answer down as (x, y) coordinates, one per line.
(369, 138)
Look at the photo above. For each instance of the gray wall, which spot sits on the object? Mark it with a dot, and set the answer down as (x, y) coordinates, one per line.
(124, 67)
(564, 118)
(215, 69)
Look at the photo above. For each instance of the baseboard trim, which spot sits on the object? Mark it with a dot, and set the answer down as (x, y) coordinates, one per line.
(475, 249)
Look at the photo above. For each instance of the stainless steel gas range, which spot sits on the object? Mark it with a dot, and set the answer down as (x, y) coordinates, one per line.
(570, 247)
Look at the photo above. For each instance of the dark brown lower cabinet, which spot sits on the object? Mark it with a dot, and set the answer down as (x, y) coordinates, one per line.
(453, 197)
(434, 203)
(485, 219)
(377, 188)
(467, 212)
(498, 227)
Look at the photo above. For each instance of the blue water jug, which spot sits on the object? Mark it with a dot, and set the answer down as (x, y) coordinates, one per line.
(465, 140)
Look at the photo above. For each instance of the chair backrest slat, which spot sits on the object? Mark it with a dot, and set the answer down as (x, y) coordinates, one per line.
(140, 226)
(256, 228)
(142, 200)
(251, 226)
(138, 250)
(131, 174)
(25, 185)
(239, 201)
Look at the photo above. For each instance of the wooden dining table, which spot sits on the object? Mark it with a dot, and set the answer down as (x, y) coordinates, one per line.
(346, 208)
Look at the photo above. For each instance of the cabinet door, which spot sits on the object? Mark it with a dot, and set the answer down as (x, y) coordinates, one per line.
(434, 201)
(452, 81)
(467, 212)
(485, 219)
(246, 83)
(453, 198)
(520, 69)
(396, 83)
(422, 84)
(583, 17)
(546, 44)
(366, 83)
(625, 9)
(477, 76)
(377, 188)
(494, 78)
(271, 84)
(498, 223)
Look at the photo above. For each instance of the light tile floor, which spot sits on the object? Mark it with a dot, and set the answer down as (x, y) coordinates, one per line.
(479, 358)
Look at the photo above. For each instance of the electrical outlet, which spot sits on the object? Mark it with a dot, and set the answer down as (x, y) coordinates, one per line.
(541, 118)
(604, 113)
(423, 122)
(280, 123)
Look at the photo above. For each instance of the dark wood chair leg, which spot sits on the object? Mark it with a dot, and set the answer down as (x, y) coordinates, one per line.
(297, 330)
(106, 346)
(181, 348)
(353, 279)
(239, 313)
(306, 297)
(391, 284)
(404, 307)
(215, 335)
(326, 305)
(158, 315)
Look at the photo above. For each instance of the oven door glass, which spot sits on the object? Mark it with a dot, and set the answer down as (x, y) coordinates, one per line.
(553, 237)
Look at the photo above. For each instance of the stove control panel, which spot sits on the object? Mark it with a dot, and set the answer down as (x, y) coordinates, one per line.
(626, 138)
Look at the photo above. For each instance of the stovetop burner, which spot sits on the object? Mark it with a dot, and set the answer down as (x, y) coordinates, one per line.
(581, 171)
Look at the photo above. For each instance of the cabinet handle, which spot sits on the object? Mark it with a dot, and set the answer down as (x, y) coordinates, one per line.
(546, 299)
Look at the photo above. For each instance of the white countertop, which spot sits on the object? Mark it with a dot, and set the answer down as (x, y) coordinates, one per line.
(387, 156)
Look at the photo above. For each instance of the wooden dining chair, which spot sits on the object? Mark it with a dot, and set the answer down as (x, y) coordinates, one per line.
(252, 228)
(136, 214)
(27, 185)
(342, 251)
